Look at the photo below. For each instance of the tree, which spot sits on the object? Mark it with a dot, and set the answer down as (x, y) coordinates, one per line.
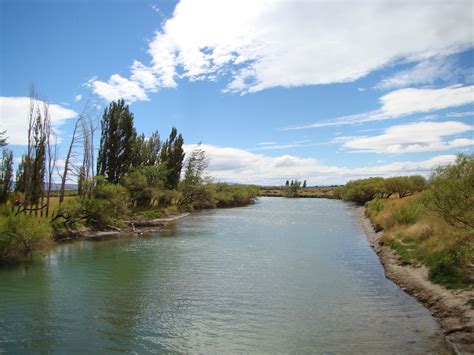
(117, 143)
(81, 148)
(38, 162)
(363, 190)
(292, 190)
(451, 192)
(172, 158)
(304, 184)
(287, 183)
(403, 185)
(194, 176)
(196, 166)
(147, 150)
(6, 174)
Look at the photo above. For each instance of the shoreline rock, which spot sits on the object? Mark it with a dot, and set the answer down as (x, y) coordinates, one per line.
(449, 307)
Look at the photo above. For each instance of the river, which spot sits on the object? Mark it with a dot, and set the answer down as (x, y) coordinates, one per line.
(283, 275)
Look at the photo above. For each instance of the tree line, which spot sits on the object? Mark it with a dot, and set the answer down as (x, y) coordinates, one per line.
(128, 177)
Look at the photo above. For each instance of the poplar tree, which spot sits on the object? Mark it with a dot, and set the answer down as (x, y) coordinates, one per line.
(172, 158)
(117, 143)
(6, 174)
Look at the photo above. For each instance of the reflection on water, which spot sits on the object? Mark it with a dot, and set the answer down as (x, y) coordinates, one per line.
(280, 276)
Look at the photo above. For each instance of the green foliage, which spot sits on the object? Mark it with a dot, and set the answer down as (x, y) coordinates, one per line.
(193, 191)
(6, 174)
(20, 175)
(69, 216)
(407, 214)
(293, 189)
(172, 158)
(118, 142)
(376, 204)
(402, 251)
(108, 207)
(212, 195)
(403, 185)
(145, 185)
(147, 150)
(21, 235)
(446, 271)
(234, 195)
(362, 191)
(451, 192)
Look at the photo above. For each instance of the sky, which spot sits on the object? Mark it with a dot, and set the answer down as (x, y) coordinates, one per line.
(323, 91)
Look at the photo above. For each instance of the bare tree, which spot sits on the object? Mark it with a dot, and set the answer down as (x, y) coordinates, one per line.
(51, 152)
(29, 152)
(81, 149)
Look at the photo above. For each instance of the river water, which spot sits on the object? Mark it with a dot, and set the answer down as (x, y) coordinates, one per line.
(283, 275)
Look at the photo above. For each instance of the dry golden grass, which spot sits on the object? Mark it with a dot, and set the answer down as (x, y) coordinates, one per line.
(430, 240)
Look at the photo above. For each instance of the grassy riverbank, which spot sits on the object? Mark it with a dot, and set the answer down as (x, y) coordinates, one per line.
(111, 209)
(428, 223)
(422, 237)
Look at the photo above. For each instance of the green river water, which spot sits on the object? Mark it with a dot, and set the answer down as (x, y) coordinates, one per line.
(283, 275)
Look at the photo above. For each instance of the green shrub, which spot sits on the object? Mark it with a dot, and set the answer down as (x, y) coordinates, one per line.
(21, 235)
(402, 251)
(447, 272)
(407, 214)
(375, 205)
(451, 192)
(363, 190)
(108, 207)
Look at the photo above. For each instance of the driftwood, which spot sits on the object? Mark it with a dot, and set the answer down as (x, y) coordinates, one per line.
(155, 222)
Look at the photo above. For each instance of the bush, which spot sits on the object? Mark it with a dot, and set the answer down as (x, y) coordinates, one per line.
(402, 251)
(404, 185)
(21, 235)
(451, 193)
(375, 205)
(362, 191)
(108, 207)
(446, 271)
(407, 214)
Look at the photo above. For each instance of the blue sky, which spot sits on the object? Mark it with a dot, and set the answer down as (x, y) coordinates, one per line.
(274, 90)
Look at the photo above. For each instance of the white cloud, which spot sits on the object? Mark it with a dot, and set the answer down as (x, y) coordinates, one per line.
(404, 102)
(118, 87)
(426, 72)
(262, 44)
(78, 97)
(407, 101)
(144, 76)
(267, 143)
(14, 117)
(460, 114)
(238, 165)
(409, 138)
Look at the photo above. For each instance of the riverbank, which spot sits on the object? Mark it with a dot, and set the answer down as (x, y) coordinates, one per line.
(329, 192)
(450, 307)
(138, 227)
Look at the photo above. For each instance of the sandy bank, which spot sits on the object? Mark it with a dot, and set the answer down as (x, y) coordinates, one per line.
(449, 307)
